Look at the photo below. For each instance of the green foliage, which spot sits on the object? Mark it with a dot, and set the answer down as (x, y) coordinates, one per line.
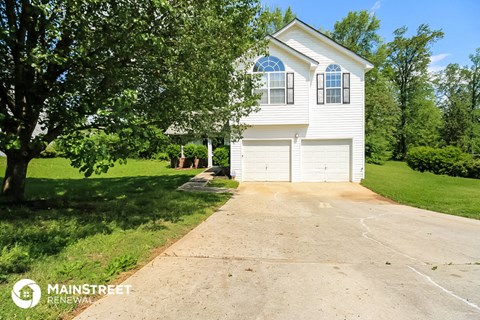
(358, 31)
(221, 157)
(468, 168)
(120, 264)
(449, 160)
(189, 150)
(201, 152)
(275, 19)
(121, 67)
(155, 143)
(407, 62)
(51, 151)
(458, 91)
(377, 149)
(424, 120)
(173, 151)
(15, 259)
(162, 156)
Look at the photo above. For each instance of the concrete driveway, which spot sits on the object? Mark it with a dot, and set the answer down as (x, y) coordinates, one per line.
(310, 251)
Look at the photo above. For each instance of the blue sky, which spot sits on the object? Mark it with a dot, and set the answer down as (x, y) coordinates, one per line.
(459, 20)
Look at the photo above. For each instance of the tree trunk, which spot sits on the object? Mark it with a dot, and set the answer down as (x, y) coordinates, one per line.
(13, 187)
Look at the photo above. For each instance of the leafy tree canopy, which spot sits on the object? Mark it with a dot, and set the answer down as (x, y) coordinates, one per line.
(77, 67)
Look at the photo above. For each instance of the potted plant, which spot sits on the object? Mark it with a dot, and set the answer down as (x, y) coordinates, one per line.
(201, 155)
(189, 151)
(173, 151)
(221, 157)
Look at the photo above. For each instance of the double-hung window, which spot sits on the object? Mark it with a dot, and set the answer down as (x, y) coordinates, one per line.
(274, 88)
(333, 84)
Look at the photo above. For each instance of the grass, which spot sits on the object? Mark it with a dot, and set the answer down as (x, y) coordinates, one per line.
(452, 195)
(223, 183)
(75, 230)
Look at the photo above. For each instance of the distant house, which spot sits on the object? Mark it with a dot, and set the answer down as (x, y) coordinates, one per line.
(310, 126)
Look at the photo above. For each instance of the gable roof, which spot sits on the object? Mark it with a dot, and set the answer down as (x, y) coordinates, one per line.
(313, 63)
(325, 39)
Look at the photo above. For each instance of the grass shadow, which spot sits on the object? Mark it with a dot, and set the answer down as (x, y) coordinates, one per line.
(63, 211)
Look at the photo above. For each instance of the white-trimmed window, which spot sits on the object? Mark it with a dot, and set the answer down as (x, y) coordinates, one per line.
(274, 88)
(333, 84)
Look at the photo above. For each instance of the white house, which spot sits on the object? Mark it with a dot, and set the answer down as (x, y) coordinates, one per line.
(310, 126)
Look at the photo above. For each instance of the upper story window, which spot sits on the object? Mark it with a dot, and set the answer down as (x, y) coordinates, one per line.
(333, 84)
(276, 85)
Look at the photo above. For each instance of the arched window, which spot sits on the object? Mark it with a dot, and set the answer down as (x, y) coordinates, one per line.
(274, 87)
(268, 64)
(333, 84)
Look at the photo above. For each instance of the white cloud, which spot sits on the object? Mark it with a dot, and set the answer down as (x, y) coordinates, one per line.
(438, 57)
(376, 6)
(435, 64)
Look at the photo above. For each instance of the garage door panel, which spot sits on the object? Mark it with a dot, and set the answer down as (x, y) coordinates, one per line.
(266, 160)
(326, 160)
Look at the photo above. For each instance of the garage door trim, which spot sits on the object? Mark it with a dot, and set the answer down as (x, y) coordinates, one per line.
(289, 142)
(340, 142)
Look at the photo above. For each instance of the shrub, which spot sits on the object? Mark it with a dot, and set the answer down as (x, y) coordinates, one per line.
(51, 151)
(173, 151)
(377, 150)
(469, 168)
(162, 156)
(189, 150)
(221, 157)
(449, 160)
(201, 152)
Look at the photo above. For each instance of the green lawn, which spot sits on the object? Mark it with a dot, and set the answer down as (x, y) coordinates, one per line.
(223, 183)
(75, 230)
(452, 195)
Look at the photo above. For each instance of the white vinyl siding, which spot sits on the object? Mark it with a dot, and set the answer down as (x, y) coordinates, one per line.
(307, 119)
(281, 114)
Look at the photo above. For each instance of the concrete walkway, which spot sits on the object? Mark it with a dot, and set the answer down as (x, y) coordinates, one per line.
(310, 251)
(199, 183)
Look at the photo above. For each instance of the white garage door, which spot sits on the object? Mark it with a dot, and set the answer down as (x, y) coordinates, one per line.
(266, 160)
(326, 160)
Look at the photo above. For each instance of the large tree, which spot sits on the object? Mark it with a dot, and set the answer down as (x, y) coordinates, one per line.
(79, 67)
(473, 76)
(458, 91)
(408, 59)
(275, 19)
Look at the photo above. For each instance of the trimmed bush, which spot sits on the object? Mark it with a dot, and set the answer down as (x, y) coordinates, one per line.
(201, 152)
(189, 151)
(173, 151)
(221, 157)
(449, 160)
